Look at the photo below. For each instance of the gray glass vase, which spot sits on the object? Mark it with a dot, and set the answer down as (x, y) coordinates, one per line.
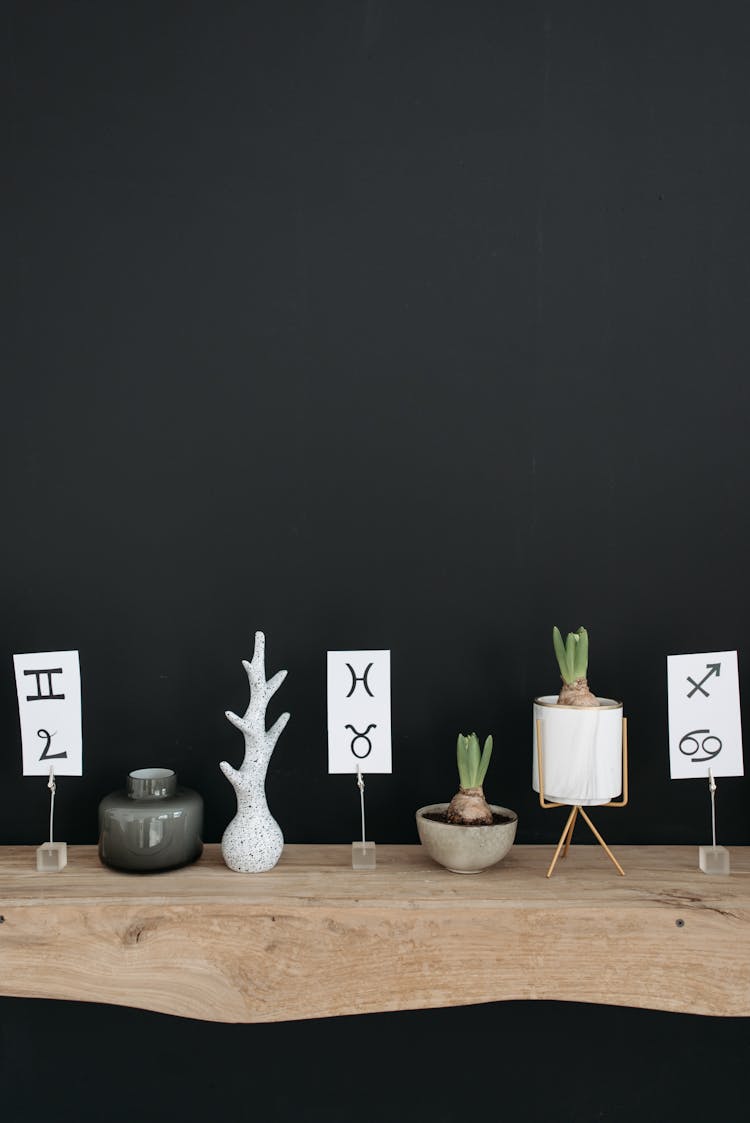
(152, 825)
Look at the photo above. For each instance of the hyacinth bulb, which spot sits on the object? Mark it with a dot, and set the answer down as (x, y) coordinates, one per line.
(573, 660)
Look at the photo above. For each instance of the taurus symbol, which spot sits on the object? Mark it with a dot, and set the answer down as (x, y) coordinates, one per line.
(361, 737)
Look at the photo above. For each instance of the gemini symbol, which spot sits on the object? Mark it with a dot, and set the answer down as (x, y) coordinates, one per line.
(39, 696)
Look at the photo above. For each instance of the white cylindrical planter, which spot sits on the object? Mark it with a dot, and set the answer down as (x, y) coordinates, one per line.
(581, 751)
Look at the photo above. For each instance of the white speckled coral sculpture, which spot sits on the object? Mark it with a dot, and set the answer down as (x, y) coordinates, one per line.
(253, 840)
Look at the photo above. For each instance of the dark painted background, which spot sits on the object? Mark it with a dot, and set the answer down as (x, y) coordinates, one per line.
(417, 325)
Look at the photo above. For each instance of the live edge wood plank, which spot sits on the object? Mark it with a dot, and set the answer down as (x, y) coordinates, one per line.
(313, 938)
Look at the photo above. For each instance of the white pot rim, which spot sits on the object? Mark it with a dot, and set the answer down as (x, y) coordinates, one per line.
(550, 700)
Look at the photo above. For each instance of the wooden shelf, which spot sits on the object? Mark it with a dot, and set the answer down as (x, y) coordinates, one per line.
(312, 938)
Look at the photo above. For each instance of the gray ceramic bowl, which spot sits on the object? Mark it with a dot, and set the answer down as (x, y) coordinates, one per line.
(466, 849)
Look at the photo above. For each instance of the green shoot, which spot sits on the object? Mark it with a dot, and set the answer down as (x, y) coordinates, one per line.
(472, 765)
(573, 655)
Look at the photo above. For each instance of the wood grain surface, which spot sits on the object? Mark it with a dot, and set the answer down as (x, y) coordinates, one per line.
(313, 938)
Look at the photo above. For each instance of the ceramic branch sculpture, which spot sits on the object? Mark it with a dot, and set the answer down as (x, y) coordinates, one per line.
(253, 840)
(573, 660)
(468, 805)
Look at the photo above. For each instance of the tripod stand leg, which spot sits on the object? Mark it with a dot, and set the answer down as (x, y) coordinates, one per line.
(570, 833)
(602, 843)
(563, 836)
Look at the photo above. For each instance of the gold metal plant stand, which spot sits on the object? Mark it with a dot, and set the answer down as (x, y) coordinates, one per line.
(577, 809)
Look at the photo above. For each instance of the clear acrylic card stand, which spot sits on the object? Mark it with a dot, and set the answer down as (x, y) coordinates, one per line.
(51, 857)
(713, 859)
(363, 853)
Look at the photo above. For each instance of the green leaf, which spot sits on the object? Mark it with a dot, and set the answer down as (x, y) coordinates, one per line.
(461, 758)
(559, 646)
(582, 654)
(485, 761)
(474, 757)
(570, 656)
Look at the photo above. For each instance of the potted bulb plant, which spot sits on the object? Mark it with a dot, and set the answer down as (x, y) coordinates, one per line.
(468, 834)
(578, 738)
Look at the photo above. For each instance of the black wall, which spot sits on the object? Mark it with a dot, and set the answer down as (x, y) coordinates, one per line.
(417, 325)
